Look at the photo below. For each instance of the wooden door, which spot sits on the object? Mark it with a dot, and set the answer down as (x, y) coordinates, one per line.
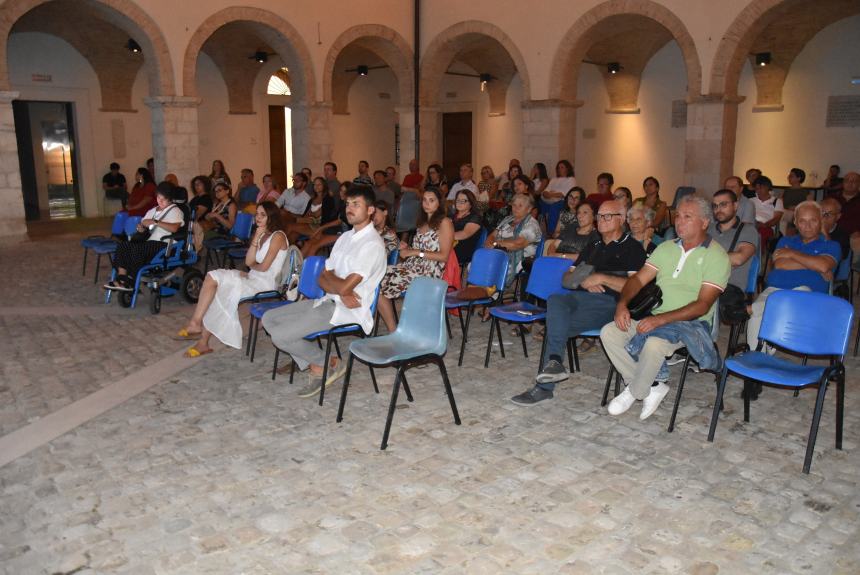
(278, 146)
(456, 142)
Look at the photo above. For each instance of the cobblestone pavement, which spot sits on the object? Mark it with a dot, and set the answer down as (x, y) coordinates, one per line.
(221, 470)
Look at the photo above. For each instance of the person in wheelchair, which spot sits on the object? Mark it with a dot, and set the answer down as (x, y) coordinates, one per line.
(153, 233)
(217, 311)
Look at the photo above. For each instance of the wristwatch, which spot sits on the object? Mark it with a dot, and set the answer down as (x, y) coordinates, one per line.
(421, 254)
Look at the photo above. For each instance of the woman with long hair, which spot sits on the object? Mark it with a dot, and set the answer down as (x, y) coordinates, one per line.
(426, 257)
(574, 239)
(575, 196)
(435, 180)
(219, 175)
(488, 187)
(467, 226)
(652, 200)
(219, 220)
(201, 200)
(540, 177)
(142, 196)
(332, 222)
(225, 288)
(384, 226)
(320, 214)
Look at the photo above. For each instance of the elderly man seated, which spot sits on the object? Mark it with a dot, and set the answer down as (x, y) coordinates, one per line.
(604, 265)
(692, 272)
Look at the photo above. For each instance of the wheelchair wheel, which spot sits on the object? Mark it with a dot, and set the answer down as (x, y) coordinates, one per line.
(124, 298)
(155, 302)
(192, 283)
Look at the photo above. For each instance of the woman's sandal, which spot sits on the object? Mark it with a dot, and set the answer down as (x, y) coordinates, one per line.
(193, 352)
(185, 335)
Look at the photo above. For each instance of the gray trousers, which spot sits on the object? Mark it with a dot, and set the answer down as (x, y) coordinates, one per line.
(638, 375)
(288, 325)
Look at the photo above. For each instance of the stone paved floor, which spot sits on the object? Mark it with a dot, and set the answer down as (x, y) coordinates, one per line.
(221, 470)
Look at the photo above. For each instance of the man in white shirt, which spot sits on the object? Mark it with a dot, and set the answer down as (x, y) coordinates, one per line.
(352, 273)
(294, 201)
(465, 182)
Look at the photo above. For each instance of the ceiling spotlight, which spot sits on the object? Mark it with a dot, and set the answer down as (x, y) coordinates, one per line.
(133, 46)
(613, 67)
(762, 59)
(484, 78)
(260, 56)
(362, 70)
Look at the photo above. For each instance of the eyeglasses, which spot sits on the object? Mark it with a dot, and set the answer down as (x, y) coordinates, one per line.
(827, 214)
(461, 201)
(721, 205)
(607, 217)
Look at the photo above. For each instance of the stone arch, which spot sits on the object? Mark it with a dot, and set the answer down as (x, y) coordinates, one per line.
(461, 36)
(276, 31)
(583, 34)
(124, 14)
(758, 20)
(381, 40)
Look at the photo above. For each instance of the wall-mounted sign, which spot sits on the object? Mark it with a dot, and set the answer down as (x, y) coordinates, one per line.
(843, 112)
(41, 77)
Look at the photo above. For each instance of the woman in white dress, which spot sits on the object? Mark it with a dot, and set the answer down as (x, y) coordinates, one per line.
(217, 311)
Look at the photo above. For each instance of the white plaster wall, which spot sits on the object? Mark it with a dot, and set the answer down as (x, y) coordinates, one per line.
(775, 142)
(633, 146)
(73, 80)
(367, 132)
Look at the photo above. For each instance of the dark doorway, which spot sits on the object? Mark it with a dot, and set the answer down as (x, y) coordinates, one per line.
(456, 142)
(47, 159)
(278, 145)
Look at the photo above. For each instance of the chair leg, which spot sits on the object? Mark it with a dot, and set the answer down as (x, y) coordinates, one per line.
(250, 331)
(813, 429)
(325, 364)
(441, 363)
(857, 336)
(98, 265)
(571, 343)
(346, 386)
(748, 390)
(543, 353)
(465, 332)
(275, 364)
(391, 407)
(617, 383)
(337, 349)
(292, 372)
(575, 356)
(255, 335)
(678, 394)
(448, 324)
(394, 309)
(489, 344)
(840, 408)
(84, 268)
(406, 387)
(718, 401)
(608, 383)
(373, 379)
(521, 328)
(499, 333)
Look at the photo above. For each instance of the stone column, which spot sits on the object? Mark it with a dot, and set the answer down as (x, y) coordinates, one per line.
(710, 147)
(549, 131)
(312, 142)
(13, 226)
(431, 142)
(175, 136)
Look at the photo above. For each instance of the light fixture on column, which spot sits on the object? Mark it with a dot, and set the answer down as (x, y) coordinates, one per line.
(762, 59)
(613, 67)
(133, 46)
(484, 78)
(260, 57)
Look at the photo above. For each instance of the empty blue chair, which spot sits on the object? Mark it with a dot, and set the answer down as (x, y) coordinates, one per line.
(240, 233)
(551, 213)
(419, 338)
(116, 230)
(407, 213)
(108, 247)
(489, 268)
(804, 323)
(544, 280)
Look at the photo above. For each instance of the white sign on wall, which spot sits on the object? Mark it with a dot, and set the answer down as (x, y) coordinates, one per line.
(843, 112)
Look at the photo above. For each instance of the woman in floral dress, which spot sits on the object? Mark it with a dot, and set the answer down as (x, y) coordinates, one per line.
(427, 256)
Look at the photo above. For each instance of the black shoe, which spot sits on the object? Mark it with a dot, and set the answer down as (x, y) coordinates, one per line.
(532, 396)
(756, 390)
(552, 372)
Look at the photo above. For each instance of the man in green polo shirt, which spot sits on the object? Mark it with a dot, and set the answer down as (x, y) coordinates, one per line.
(692, 272)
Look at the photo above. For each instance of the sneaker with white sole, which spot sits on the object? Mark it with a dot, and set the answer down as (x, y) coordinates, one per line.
(676, 359)
(552, 372)
(622, 403)
(652, 402)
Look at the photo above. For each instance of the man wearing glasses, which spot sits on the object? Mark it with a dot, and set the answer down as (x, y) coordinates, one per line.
(692, 271)
(739, 239)
(294, 201)
(614, 257)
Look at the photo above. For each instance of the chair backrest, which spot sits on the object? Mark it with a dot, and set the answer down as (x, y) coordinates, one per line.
(422, 321)
(131, 225)
(117, 228)
(545, 277)
(248, 194)
(808, 323)
(541, 245)
(482, 237)
(309, 285)
(489, 268)
(242, 226)
(551, 212)
(752, 276)
(392, 257)
(407, 213)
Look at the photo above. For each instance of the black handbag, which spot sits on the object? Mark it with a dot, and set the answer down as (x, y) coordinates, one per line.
(649, 297)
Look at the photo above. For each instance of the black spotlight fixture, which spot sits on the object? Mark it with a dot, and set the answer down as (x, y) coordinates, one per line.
(762, 59)
(362, 70)
(133, 46)
(613, 67)
(260, 56)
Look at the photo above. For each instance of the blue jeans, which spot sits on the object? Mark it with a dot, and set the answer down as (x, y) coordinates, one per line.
(569, 315)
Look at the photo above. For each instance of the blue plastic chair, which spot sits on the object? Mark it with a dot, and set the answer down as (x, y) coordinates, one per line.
(308, 288)
(248, 195)
(489, 268)
(116, 230)
(844, 276)
(419, 338)
(551, 213)
(240, 233)
(392, 257)
(544, 280)
(108, 247)
(407, 213)
(788, 324)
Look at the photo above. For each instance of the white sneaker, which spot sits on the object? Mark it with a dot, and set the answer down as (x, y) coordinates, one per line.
(621, 403)
(652, 402)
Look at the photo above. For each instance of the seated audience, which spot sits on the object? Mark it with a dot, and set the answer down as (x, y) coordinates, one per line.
(506, 188)
(562, 182)
(164, 219)
(614, 255)
(832, 183)
(426, 257)
(412, 180)
(391, 182)
(384, 226)
(575, 196)
(363, 178)
(768, 210)
(219, 220)
(518, 235)
(641, 222)
(321, 215)
(792, 196)
(201, 200)
(331, 181)
(831, 212)
(540, 177)
(692, 272)
(270, 192)
(625, 196)
(505, 177)
(465, 183)
(114, 185)
(652, 200)
(751, 175)
(142, 197)
(467, 226)
(248, 190)
(746, 209)
(352, 273)
(381, 189)
(435, 180)
(738, 238)
(219, 175)
(487, 189)
(225, 288)
(294, 202)
(605, 181)
(574, 239)
(849, 198)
